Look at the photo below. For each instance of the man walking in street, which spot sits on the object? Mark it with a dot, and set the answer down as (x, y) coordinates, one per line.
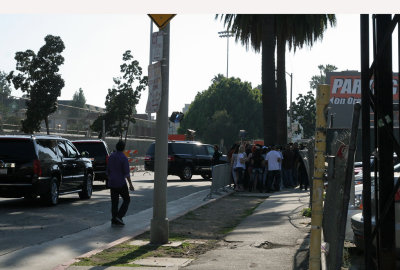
(118, 172)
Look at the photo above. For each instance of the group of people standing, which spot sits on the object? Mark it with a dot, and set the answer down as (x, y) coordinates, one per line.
(267, 169)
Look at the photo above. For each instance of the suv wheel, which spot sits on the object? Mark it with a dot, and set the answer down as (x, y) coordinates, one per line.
(51, 198)
(186, 173)
(87, 188)
(206, 176)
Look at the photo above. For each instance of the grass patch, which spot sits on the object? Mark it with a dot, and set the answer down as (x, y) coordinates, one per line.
(306, 212)
(119, 255)
(124, 254)
(200, 230)
(192, 216)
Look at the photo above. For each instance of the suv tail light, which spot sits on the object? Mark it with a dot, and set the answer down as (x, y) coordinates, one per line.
(171, 158)
(37, 169)
(107, 159)
(397, 196)
(147, 158)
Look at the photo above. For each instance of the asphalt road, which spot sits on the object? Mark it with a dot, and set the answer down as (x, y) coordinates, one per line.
(25, 223)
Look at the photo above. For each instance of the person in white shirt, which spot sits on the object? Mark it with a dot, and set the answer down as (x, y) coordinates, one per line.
(274, 159)
(240, 167)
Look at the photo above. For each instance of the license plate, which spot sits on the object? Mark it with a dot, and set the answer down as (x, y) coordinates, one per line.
(3, 171)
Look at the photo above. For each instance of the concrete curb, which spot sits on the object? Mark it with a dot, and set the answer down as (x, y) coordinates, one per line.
(67, 264)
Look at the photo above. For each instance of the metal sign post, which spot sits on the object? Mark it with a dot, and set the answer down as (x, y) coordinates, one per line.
(159, 230)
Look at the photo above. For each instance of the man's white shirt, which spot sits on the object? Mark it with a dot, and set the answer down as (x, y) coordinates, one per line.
(272, 158)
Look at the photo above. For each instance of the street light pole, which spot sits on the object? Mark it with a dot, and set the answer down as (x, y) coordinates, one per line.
(226, 34)
(290, 105)
(150, 56)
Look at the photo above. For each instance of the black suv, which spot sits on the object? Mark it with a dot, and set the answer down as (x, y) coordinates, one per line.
(185, 158)
(43, 165)
(98, 153)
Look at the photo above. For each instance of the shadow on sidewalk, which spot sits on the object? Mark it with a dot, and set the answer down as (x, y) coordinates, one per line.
(300, 259)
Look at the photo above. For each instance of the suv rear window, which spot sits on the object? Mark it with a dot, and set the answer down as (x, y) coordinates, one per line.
(17, 149)
(173, 148)
(201, 150)
(182, 148)
(95, 149)
(47, 149)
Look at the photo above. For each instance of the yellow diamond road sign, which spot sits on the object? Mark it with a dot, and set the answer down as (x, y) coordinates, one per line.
(161, 20)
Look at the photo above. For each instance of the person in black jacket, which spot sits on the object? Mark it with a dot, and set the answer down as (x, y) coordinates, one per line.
(297, 160)
(216, 156)
(256, 162)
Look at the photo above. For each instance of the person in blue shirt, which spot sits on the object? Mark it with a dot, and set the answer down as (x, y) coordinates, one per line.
(118, 172)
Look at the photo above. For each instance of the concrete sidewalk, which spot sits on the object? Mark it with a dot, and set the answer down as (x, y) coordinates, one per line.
(275, 236)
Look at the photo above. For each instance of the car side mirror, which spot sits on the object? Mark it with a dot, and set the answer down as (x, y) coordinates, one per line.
(85, 154)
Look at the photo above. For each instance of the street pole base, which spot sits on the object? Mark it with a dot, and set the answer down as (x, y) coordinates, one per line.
(159, 231)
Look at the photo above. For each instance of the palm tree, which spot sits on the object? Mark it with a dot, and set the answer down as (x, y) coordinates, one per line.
(297, 31)
(264, 32)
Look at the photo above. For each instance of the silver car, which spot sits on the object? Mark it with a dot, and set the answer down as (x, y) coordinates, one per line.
(357, 220)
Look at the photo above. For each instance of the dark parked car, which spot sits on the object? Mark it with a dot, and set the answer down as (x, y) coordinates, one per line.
(185, 159)
(98, 153)
(43, 165)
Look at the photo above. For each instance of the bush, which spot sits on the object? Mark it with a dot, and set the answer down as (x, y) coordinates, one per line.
(306, 212)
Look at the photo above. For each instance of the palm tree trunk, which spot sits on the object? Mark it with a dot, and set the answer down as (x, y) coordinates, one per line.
(120, 130)
(46, 121)
(281, 93)
(268, 80)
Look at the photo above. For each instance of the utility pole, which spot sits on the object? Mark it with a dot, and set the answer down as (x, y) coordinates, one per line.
(322, 102)
(150, 57)
(290, 105)
(366, 140)
(159, 230)
(226, 34)
(383, 78)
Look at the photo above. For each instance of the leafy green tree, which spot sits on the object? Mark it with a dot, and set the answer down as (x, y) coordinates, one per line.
(321, 78)
(122, 99)
(305, 109)
(226, 107)
(5, 92)
(304, 112)
(38, 76)
(221, 126)
(5, 87)
(78, 99)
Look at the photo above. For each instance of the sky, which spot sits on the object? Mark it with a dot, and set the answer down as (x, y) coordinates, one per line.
(95, 43)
